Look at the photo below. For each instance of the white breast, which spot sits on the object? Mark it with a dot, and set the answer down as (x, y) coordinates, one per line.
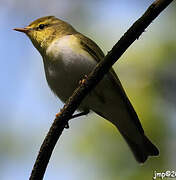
(66, 65)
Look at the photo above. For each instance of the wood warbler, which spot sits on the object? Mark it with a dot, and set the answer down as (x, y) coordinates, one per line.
(68, 56)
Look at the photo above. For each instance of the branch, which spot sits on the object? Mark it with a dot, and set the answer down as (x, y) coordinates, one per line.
(90, 82)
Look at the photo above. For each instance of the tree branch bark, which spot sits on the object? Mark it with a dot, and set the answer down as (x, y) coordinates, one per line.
(90, 82)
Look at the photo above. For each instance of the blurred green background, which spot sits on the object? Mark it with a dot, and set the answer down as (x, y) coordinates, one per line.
(91, 149)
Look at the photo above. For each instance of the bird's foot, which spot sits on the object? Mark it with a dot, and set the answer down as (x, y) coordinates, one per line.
(82, 81)
(58, 114)
(67, 126)
(73, 116)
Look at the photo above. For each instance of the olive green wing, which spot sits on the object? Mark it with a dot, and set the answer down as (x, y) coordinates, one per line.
(90, 47)
(98, 55)
(94, 50)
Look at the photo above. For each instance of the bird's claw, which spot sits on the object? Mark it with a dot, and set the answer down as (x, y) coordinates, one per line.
(58, 114)
(82, 81)
(67, 126)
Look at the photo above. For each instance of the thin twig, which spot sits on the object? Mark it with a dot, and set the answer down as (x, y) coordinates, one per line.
(94, 77)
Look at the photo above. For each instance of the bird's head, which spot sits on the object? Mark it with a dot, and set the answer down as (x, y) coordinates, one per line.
(46, 29)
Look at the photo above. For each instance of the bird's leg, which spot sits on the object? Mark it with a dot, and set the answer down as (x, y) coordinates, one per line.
(73, 116)
(77, 115)
(80, 114)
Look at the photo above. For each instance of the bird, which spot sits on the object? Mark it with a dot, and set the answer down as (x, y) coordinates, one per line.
(69, 56)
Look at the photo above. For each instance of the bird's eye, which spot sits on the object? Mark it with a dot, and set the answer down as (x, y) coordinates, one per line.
(41, 26)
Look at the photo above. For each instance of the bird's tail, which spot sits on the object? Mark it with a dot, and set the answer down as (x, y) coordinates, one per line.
(115, 106)
(132, 132)
(143, 150)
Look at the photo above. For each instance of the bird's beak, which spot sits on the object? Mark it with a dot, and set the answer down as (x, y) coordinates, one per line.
(24, 30)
